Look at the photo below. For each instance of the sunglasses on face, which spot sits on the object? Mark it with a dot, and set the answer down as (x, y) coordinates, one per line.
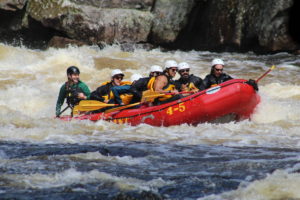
(184, 70)
(157, 73)
(174, 69)
(220, 70)
(118, 77)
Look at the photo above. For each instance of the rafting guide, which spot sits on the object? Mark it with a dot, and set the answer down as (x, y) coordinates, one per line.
(74, 90)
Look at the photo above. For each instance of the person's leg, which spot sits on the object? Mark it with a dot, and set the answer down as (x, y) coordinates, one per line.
(118, 90)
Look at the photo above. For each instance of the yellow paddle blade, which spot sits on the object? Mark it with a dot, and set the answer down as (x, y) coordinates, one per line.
(121, 107)
(149, 96)
(88, 105)
(75, 110)
(273, 67)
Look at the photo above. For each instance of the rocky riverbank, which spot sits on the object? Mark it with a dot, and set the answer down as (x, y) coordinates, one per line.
(227, 25)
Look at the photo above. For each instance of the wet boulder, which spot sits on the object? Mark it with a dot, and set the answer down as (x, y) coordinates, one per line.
(129, 4)
(170, 17)
(12, 5)
(90, 24)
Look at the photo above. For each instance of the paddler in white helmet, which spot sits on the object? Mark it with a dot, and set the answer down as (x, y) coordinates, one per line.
(216, 75)
(104, 92)
(164, 83)
(144, 83)
(124, 89)
(188, 82)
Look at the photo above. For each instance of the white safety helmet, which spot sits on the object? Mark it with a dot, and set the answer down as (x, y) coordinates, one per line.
(170, 63)
(156, 68)
(217, 61)
(116, 72)
(135, 77)
(183, 65)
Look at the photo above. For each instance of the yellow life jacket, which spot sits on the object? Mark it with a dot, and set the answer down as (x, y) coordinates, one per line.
(150, 85)
(167, 88)
(126, 98)
(191, 87)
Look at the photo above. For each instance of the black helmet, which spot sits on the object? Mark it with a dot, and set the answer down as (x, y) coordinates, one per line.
(73, 70)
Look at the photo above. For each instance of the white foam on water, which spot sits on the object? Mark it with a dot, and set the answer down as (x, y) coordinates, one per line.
(72, 176)
(30, 82)
(278, 185)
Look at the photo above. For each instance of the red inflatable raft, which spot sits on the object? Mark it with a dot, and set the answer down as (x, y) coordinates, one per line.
(234, 97)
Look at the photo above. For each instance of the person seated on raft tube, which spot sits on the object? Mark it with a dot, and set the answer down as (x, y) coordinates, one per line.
(74, 90)
(164, 84)
(124, 89)
(104, 92)
(144, 83)
(217, 76)
(188, 82)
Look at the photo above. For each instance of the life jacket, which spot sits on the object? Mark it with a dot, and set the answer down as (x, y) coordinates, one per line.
(191, 83)
(126, 98)
(150, 84)
(72, 93)
(170, 86)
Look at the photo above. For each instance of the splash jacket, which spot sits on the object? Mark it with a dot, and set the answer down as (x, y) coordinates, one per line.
(211, 80)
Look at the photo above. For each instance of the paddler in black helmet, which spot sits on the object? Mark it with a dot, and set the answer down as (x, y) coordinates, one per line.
(74, 90)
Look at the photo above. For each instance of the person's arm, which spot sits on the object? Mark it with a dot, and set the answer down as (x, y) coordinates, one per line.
(60, 99)
(228, 77)
(86, 91)
(98, 94)
(206, 82)
(200, 84)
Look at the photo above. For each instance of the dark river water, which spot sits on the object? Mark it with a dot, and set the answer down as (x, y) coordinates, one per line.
(45, 158)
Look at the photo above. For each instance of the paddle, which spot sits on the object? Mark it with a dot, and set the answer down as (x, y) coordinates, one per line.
(63, 111)
(262, 76)
(149, 96)
(89, 105)
(121, 107)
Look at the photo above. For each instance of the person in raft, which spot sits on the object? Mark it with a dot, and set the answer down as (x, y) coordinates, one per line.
(124, 89)
(74, 90)
(104, 92)
(165, 84)
(144, 83)
(188, 82)
(217, 75)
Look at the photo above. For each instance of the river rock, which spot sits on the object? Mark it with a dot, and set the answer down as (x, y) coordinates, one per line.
(170, 17)
(127, 4)
(12, 5)
(91, 24)
(247, 24)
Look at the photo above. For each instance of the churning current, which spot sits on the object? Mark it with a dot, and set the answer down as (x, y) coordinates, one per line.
(44, 158)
